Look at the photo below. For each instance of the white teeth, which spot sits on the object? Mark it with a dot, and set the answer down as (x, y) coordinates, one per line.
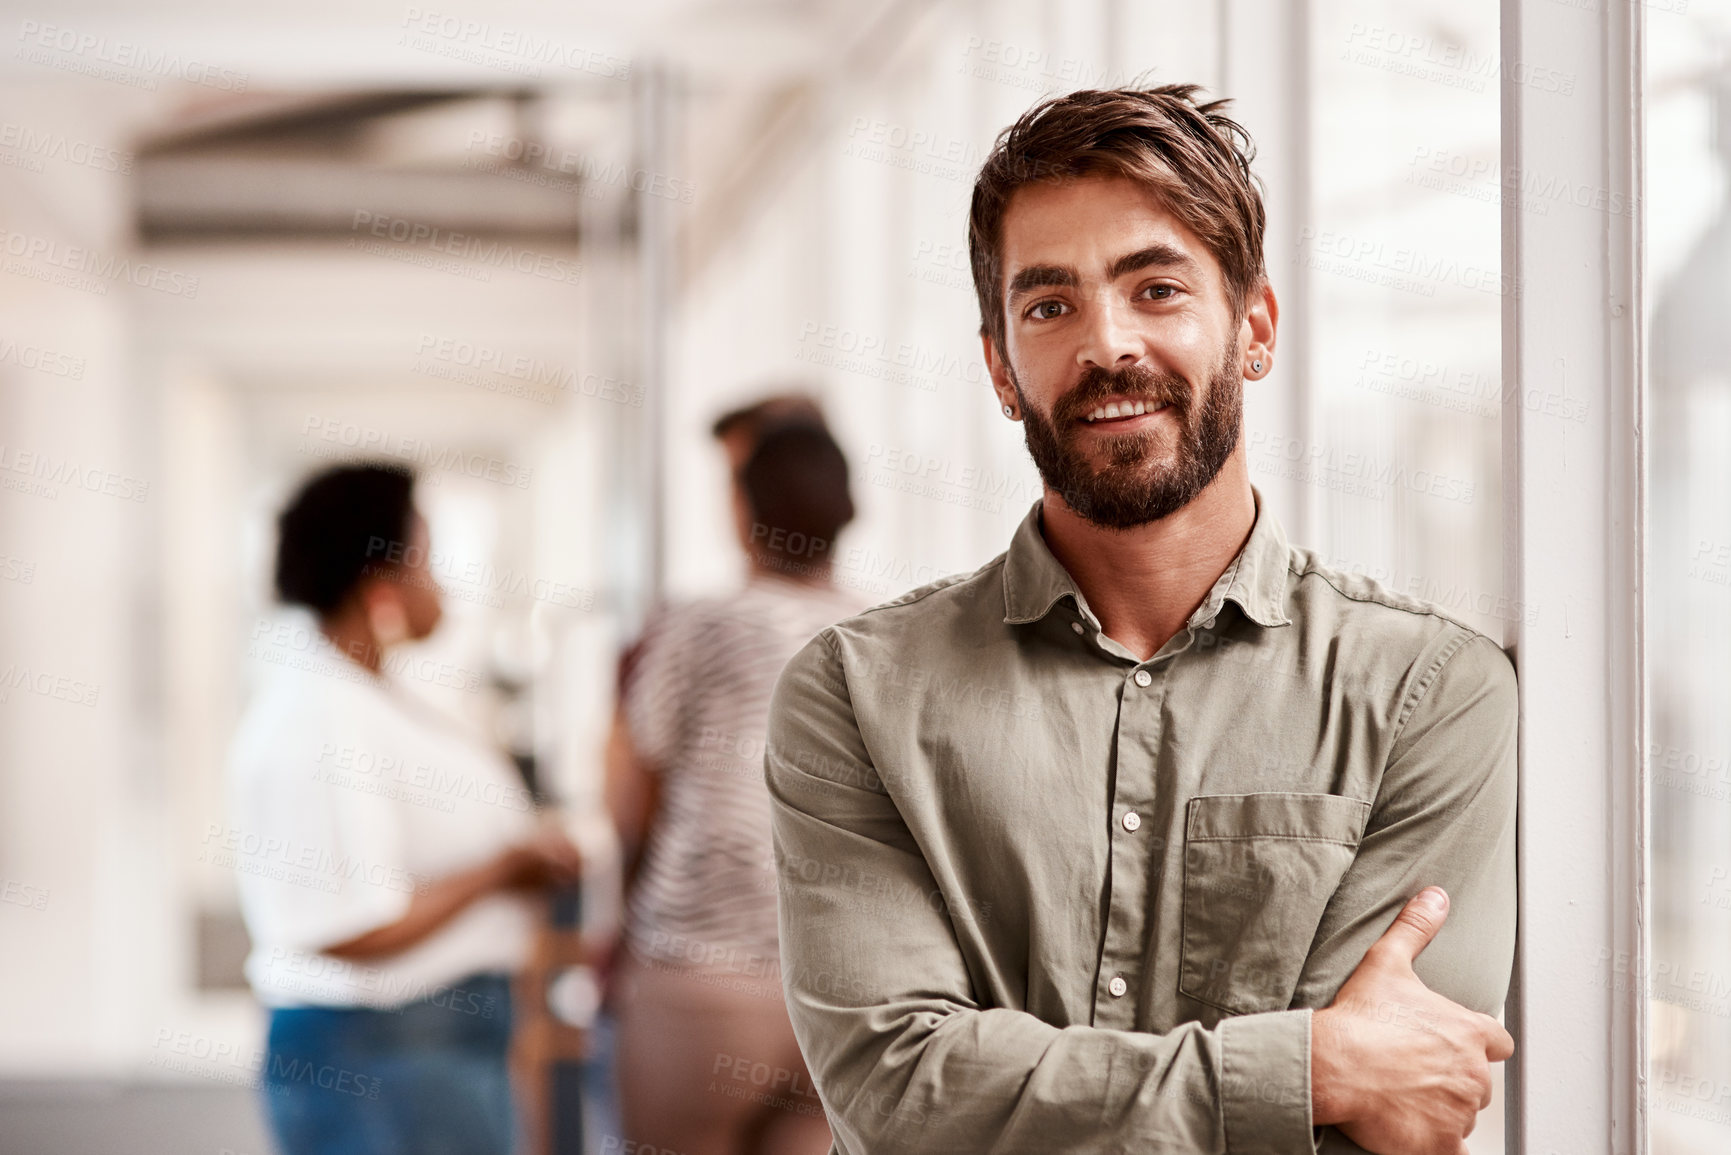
(1113, 409)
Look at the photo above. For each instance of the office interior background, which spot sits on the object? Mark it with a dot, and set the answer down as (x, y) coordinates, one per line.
(533, 250)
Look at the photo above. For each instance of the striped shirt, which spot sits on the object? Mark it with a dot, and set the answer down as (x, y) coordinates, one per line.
(696, 702)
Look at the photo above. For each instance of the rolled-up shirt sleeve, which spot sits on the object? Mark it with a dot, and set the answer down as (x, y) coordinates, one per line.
(905, 1057)
(1444, 815)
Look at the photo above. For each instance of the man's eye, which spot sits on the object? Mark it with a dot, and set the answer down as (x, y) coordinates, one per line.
(1160, 292)
(1046, 310)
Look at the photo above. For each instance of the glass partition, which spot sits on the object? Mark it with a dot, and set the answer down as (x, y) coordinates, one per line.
(1688, 219)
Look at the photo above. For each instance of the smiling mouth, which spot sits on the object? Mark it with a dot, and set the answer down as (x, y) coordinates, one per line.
(1114, 411)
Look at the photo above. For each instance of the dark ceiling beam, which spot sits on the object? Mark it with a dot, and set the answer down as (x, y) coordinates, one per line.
(244, 124)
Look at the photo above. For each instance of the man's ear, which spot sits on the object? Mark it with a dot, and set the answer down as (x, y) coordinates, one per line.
(1000, 371)
(1259, 328)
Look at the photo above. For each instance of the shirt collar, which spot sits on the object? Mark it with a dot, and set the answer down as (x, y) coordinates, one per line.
(1035, 581)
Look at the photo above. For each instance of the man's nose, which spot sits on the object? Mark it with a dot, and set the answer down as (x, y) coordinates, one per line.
(1108, 340)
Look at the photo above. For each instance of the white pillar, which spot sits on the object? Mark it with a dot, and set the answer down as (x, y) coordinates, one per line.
(1574, 542)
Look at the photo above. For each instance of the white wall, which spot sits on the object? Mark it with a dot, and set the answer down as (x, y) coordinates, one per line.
(80, 782)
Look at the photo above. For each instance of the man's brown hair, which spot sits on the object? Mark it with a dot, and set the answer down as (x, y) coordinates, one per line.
(1188, 154)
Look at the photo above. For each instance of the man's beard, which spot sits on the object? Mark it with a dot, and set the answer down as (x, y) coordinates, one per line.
(1130, 490)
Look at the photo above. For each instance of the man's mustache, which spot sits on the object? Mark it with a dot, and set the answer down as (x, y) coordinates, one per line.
(1134, 382)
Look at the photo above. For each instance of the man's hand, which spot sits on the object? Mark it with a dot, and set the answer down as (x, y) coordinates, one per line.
(1397, 1067)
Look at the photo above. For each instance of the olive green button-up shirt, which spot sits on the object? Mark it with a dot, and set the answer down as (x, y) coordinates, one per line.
(1038, 896)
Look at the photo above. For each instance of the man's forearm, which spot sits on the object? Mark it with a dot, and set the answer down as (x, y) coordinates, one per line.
(1003, 1080)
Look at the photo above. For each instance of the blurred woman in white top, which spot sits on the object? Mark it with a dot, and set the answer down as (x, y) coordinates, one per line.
(384, 855)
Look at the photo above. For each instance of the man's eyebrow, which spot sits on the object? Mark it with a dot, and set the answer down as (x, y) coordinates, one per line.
(1062, 276)
(1163, 255)
(1043, 277)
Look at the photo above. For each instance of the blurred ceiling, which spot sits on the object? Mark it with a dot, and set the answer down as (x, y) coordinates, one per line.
(499, 119)
(486, 162)
(332, 42)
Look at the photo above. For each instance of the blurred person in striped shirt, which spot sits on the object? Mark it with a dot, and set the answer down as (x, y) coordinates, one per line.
(706, 1058)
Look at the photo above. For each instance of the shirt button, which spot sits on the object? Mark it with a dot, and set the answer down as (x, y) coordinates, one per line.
(1077, 626)
(1143, 677)
(1117, 986)
(1132, 820)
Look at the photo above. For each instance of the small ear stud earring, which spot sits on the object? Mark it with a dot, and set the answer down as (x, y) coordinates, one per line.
(1256, 366)
(1008, 412)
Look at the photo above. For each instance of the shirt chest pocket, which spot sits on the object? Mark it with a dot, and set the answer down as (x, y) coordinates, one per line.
(1259, 870)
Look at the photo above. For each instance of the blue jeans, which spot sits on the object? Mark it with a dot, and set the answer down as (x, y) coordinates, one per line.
(429, 1078)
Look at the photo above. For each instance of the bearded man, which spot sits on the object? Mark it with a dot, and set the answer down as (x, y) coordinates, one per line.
(1131, 839)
